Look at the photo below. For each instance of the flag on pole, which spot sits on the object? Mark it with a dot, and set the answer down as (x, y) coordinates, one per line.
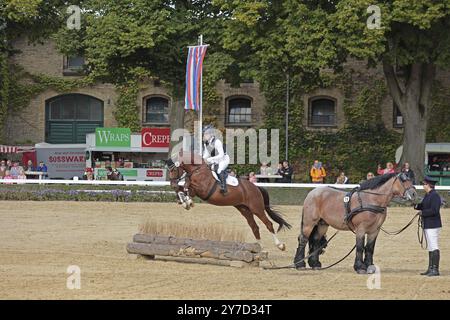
(194, 67)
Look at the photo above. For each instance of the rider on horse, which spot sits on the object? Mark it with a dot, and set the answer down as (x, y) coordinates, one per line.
(215, 155)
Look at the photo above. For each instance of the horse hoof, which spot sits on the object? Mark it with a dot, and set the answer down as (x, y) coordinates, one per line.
(361, 271)
(282, 246)
(316, 268)
(300, 268)
(371, 269)
(184, 204)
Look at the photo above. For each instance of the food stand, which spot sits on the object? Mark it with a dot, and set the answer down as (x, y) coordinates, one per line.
(138, 157)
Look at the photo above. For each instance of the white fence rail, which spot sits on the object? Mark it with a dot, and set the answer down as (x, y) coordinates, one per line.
(167, 183)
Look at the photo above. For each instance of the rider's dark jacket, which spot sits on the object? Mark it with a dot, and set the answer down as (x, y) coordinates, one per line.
(430, 207)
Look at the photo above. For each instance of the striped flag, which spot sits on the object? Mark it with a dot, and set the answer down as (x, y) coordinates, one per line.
(194, 69)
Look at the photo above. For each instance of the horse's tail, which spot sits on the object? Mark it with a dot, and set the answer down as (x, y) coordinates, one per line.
(273, 214)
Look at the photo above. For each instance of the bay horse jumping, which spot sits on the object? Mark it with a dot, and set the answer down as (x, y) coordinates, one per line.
(361, 211)
(246, 197)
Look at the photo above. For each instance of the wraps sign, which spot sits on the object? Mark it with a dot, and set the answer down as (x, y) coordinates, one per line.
(113, 137)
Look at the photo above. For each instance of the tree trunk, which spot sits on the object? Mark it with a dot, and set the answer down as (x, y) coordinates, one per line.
(232, 245)
(153, 249)
(414, 101)
(414, 140)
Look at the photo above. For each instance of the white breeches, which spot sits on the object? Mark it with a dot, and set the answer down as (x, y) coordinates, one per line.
(223, 163)
(432, 236)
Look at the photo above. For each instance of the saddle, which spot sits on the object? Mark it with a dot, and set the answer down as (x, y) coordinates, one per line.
(349, 213)
(232, 181)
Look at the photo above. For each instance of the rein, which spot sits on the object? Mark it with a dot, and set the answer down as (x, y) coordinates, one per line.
(190, 174)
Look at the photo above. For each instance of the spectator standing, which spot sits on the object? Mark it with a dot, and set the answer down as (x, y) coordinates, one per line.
(409, 173)
(42, 168)
(14, 170)
(317, 172)
(342, 179)
(232, 173)
(370, 175)
(2, 168)
(8, 164)
(389, 169)
(30, 166)
(285, 172)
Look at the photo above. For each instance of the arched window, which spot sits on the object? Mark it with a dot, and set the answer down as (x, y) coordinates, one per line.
(322, 112)
(157, 110)
(239, 111)
(70, 117)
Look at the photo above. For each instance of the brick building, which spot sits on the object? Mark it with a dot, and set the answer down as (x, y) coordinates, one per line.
(66, 118)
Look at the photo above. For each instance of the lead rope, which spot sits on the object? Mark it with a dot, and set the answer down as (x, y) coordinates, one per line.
(291, 266)
(394, 233)
(345, 257)
(421, 235)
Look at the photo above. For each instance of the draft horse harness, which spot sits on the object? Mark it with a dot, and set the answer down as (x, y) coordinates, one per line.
(350, 213)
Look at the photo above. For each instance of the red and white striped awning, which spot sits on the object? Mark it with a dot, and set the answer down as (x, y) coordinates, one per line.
(15, 149)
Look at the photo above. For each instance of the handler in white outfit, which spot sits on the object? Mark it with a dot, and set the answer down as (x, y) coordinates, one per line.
(214, 154)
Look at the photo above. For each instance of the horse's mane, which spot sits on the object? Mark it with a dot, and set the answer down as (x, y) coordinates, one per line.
(376, 182)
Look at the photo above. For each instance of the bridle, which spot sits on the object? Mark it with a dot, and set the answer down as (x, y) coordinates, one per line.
(174, 166)
(402, 179)
(185, 174)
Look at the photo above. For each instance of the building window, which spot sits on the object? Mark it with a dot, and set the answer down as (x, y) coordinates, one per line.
(157, 110)
(322, 112)
(73, 65)
(398, 118)
(70, 117)
(239, 111)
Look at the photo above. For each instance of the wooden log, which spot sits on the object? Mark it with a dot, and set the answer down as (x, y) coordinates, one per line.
(231, 245)
(183, 250)
(227, 263)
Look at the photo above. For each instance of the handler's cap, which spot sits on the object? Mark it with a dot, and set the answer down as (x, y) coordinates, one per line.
(429, 180)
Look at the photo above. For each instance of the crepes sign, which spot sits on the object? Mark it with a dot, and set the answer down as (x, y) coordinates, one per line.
(155, 137)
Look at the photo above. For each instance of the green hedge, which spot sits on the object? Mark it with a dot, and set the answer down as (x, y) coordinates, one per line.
(278, 196)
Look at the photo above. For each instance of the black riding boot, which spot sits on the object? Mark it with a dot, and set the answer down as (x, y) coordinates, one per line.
(430, 254)
(434, 264)
(223, 182)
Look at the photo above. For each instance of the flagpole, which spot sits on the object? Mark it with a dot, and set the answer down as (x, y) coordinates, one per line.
(200, 113)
